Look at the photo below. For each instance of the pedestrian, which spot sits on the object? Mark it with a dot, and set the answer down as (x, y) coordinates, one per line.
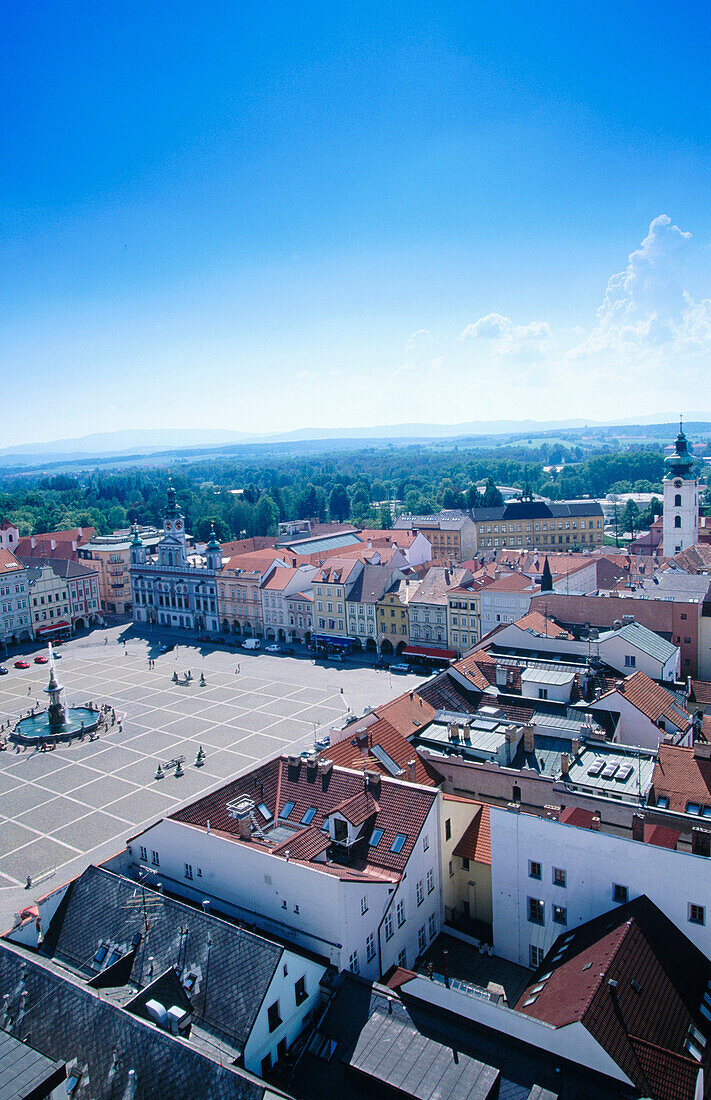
(29, 690)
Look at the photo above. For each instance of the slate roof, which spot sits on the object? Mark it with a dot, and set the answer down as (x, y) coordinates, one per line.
(443, 521)
(24, 1072)
(390, 1050)
(66, 568)
(449, 1041)
(67, 1021)
(682, 777)
(242, 964)
(660, 979)
(643, 638)
(537, 509)
(370, 584)
(400, 809)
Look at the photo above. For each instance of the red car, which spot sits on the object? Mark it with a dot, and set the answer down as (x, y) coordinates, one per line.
(22, 664)
(41, 660)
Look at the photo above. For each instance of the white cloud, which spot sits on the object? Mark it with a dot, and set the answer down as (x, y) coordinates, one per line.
(648, 321)
(417, 352)
(506, 340)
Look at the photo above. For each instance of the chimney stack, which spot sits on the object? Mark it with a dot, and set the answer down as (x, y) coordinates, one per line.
(529, 743)
(595, 823)
(412, 771)
(552, 813)
(564, 764)
(700, 842)
(638, 827)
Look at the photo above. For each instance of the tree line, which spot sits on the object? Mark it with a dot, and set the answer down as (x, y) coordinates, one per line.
(367, 487)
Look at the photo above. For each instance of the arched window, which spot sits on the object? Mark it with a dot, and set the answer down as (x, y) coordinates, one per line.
(677, 521)
(516, 793)
(677, 500)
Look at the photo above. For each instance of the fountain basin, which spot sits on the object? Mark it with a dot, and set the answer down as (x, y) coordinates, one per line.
(34, 729)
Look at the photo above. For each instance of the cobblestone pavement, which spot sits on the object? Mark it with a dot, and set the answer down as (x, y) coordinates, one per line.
(63, 809)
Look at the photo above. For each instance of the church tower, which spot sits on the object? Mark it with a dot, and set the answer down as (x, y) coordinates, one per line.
(172, 548)
(681, 499)
(137, 549)
(213, 553)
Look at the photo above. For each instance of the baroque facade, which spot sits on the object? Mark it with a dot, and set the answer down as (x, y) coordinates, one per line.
(170, 591)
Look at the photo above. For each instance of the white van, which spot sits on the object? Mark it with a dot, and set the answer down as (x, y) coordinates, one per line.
(251, 643)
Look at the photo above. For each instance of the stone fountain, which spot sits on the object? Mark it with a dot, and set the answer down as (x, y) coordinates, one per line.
(58, 722)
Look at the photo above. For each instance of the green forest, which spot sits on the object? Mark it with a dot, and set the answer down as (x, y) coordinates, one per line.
(245, 497)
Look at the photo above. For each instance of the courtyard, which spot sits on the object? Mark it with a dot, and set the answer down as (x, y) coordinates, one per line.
(77, 804)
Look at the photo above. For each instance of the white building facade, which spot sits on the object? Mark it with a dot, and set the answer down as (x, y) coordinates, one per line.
(548, 876)
(681, 499)
(15, 619)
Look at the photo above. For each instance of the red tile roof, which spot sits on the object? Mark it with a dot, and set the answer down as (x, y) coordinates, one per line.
(260, 561)
(358, 808)
(576, 815)
(681, 777)
(279, 579)
(539, 624)
(355, 751)
(8, 562)
(408, 713)
(653, 700)
(701, 692)
(635, 982)
(476, 841)
(400, 809)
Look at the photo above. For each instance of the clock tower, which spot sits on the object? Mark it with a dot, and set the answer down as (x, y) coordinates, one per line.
(172, 549)
(681, 499)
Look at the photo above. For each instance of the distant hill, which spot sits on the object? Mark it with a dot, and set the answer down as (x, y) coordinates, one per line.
(149, 441)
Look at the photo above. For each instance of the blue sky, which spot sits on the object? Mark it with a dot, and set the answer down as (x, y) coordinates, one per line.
(271, 216)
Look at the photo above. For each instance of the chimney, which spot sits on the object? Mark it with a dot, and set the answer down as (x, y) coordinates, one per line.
(529, 743)
(467, 731)
(205, 906)
(325, 767)
(638, 827)
(564, 765)
(700, 841)
(32, 542)
(595, 823)
(372, 782)
(412, 771)
(552, 813)
(575, 747)
(53, 544)
(369, 544)
(617, 625)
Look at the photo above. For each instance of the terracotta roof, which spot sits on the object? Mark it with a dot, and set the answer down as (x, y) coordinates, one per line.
(701, 692)
(306, 845)
(8, 562)
(247, 546)
(279, 579)
(355, 751)
(539, 624)
(653, 700)
(476, 841)
(257, 562)
(407, 713)
(696, 559)
(336, 570)
(400, 809)
(642, 1020)
(358, 808)
(514, 582)
(681, 777)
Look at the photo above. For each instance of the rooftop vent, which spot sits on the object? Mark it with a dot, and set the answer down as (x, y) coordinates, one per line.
(293, 760)
(325, 767)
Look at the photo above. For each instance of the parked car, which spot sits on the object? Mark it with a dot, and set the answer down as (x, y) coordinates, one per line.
(288, 650)
(166, 648)
(40, 659)
(337, 657)
(251, 643)
(3, 670)
(57, 656)
(22, 664)
(273, 649)
(401, 667)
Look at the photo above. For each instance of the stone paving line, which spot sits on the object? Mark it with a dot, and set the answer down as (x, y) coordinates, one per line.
(295, 688)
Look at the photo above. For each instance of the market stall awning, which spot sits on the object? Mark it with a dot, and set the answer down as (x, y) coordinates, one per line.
(432, 654)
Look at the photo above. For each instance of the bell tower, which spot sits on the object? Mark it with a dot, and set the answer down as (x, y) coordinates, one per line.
(172, 549)
(681, 499)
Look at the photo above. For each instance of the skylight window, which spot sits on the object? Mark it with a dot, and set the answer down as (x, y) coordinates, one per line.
(265, 811)
(693, 808)
(663, 802)
(101, 954)
(286, 810)
(375, 837)
(530, 1001)
(398, 843)
(309, 816)
(114, 957)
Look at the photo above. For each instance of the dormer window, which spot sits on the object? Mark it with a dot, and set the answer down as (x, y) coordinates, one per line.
(340, 830)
